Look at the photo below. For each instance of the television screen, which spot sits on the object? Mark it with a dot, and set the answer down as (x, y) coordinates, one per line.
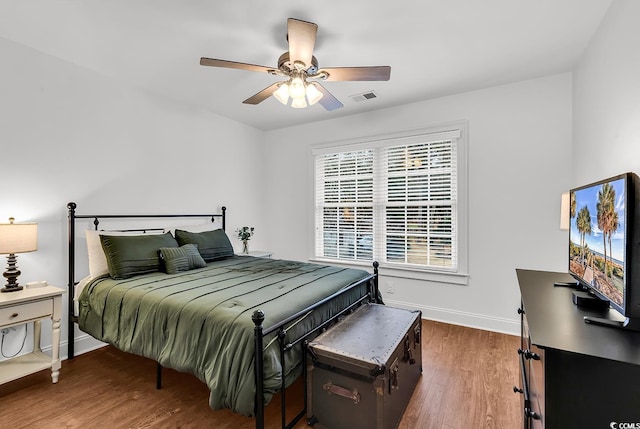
(598, 237)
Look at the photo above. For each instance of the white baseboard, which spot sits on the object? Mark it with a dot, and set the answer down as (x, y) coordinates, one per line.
(83, 344)
(454, 317)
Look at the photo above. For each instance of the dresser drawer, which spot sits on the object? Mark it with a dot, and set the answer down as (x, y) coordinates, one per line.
(25, 312)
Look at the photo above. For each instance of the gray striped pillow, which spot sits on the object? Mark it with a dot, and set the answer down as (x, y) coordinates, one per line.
(212, 245)
(183, 258)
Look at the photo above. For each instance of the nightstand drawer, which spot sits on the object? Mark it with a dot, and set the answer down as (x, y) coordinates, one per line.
(25, 312)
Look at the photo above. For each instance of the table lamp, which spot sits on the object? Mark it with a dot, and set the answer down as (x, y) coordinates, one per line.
(16, 238)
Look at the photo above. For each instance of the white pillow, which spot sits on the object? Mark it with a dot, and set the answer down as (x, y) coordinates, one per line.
(210, 226)
(97, 259)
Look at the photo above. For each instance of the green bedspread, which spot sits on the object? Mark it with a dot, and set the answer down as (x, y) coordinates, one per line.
(199, 321)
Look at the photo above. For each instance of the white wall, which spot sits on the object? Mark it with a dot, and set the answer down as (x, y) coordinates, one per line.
(606, 98)
(519, 153)
(70, 134)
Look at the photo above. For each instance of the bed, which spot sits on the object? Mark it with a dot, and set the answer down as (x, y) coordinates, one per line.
(216, 314)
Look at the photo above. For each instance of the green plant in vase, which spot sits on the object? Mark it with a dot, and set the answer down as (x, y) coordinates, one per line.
(244, 234)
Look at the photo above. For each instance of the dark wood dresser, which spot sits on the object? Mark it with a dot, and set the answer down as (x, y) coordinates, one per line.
(573, 374)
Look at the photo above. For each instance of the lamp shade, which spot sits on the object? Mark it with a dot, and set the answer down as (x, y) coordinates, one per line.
(282, 93)
(297, 88)
(313, 95)
(564, 211)
(18, 237)
(298, 103)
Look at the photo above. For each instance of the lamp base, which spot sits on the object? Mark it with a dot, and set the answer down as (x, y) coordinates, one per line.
(11, 275)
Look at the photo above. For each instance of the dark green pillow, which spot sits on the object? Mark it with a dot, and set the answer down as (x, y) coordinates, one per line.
(212, 245)
(183, 258)
(130, 255)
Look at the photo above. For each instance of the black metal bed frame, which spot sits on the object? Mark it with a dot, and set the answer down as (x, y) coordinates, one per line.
(258, 316)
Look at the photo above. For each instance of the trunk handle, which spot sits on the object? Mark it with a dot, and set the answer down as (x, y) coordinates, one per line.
(342, 391)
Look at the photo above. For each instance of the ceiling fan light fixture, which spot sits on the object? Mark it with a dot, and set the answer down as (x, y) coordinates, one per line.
(282, 93)
(313, 95)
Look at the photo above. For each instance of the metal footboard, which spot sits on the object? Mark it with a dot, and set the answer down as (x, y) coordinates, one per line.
(261, 332)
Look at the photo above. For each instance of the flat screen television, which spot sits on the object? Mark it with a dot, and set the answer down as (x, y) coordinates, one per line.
(604, 245)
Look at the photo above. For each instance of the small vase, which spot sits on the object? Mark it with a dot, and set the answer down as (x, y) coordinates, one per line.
(245, 247)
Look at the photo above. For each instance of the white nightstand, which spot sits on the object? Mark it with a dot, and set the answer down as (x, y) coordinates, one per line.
(258, 253)
(32, 305)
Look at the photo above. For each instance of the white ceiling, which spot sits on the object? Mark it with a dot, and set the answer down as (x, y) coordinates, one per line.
(434, 47)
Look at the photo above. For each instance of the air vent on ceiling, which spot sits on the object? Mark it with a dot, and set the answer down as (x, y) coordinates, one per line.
(369, 95)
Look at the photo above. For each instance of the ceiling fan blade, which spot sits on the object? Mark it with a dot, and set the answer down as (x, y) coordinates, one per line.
(234, 65)
(302, 39)
(357, 73)
(328, 101)
(262, 95)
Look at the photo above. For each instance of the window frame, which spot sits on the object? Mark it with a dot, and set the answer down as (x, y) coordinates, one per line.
(446, 130)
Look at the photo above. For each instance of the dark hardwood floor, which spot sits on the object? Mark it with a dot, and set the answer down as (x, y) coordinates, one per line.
(467, 381)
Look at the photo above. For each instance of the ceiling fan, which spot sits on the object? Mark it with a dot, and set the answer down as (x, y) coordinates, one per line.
(298, 65)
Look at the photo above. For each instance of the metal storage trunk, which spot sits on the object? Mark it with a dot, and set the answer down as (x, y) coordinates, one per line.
(365, 369)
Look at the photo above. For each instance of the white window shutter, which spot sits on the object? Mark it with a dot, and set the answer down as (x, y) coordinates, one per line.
(394, 202)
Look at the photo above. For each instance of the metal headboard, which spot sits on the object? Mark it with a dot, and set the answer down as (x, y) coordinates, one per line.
(72, 217)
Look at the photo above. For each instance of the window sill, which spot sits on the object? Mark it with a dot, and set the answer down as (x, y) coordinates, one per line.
(402, 272)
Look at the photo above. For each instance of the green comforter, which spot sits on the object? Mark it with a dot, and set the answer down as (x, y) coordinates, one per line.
(199, 321)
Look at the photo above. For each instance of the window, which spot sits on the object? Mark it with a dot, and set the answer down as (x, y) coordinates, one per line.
(396, 200)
